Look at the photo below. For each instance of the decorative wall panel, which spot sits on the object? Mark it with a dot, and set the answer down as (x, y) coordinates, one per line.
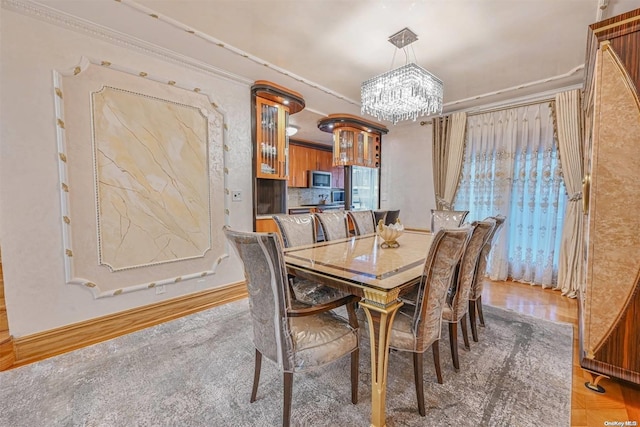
(142, 179)
(152, 179)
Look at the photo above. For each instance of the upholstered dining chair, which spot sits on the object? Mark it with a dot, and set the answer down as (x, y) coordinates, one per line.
(299, 230)
(363, 222)
(334, 224)
(391, 217)
(380, 215)
(455, 312)
(475, 295)
(294, 336)
(446, 219)
(418, 327)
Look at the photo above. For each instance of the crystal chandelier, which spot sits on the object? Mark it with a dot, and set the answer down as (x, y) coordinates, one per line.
(403, 93)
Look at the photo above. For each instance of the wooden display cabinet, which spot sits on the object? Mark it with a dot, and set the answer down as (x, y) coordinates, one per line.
(273, 105)
(304, 157)
(272, 150)
(356, 141)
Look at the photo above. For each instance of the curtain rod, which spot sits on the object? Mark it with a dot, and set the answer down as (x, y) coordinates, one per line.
(506, 107)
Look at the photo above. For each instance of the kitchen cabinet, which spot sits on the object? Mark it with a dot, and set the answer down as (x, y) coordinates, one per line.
(299, 157)
(303, 158)
(324, 160)
(609, 300)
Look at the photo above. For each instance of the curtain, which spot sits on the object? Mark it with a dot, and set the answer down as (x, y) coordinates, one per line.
(448, 150)
(511, 167)
(569, 135)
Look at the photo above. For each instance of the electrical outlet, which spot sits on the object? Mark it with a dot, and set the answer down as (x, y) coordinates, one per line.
(236, 196)
(160, 289)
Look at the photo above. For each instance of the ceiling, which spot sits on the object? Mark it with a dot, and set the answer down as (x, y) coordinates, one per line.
(485, 51)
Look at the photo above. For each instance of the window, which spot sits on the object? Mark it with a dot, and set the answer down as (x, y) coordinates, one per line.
(511, 167)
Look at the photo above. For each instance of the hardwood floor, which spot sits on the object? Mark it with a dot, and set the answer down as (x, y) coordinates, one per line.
(620, 402)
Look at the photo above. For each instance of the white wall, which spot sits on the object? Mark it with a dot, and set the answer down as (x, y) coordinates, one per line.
(407, 179)
(37, 296)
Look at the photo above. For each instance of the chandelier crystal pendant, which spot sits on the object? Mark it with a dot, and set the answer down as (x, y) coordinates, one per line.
(404, 93)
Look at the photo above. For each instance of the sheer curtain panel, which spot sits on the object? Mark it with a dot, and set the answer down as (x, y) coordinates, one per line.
(511, 168)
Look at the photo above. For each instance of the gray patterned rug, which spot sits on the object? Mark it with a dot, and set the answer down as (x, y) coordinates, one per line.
(197, 371)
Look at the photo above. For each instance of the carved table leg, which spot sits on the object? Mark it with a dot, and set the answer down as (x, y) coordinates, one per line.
(380, 318)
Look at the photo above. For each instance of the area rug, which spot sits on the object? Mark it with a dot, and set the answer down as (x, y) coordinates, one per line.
(197, 371)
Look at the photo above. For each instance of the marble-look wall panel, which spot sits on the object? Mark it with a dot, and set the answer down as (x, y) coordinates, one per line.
(152, 179)
(614, 243)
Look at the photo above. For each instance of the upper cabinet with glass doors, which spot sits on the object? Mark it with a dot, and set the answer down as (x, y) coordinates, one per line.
(273, 104)
(356, 141)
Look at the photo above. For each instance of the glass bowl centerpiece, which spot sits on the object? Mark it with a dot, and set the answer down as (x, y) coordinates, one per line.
(389, 233)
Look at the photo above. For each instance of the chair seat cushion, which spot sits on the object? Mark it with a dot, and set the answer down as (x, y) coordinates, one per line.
(447, 314)
(402, 336)
(314, 293)
(320, 339)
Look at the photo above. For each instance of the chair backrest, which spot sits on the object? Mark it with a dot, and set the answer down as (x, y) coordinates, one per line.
(392, 216)
(444, 254)
(266, 276)
(380, 215)
(468, 266)
(334, 224)
(446, 219)
(296, 230)
(481, 268)
(363, 221)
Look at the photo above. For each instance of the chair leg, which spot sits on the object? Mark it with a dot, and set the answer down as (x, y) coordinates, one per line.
(418, 370)
(472, 320)
(256, 376)
(435, 347)
(355, 361)
(286, 407)
(465, 333)
(479, 307)
(453, 343)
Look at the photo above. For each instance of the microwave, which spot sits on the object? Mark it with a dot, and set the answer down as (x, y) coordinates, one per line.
(319, 179)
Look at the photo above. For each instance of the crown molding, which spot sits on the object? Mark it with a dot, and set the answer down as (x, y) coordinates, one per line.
(64, 20)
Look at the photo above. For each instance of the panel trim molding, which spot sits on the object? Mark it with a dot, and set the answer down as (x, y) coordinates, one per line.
(42, 345)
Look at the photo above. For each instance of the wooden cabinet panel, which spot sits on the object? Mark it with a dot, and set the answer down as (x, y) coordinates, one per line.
(324, 160)
(303, 159)
(266, 225)
(338, 176)
(298, 165)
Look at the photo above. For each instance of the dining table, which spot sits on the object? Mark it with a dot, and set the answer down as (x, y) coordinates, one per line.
(359, 265)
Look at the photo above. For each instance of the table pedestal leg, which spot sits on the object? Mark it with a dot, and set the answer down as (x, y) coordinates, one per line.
(380, 319)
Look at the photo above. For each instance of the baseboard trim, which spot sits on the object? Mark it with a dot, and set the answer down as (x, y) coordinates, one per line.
(42, 345)
(7, 353)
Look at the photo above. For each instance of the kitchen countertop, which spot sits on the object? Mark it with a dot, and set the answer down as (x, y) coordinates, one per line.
(317, 205)
(327, 206)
